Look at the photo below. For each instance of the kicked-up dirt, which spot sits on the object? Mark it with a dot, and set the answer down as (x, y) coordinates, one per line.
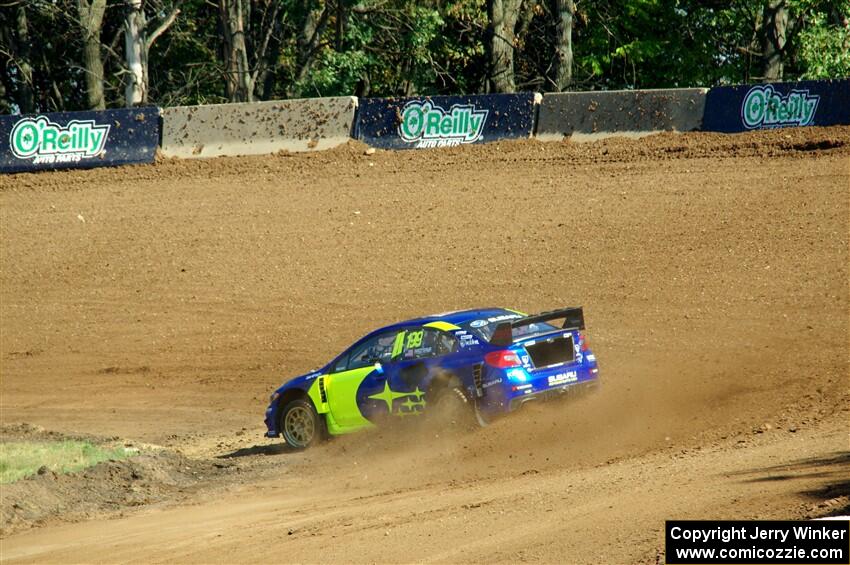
(163, 303)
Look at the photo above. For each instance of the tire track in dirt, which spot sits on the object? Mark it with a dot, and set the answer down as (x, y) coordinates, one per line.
(713, 270)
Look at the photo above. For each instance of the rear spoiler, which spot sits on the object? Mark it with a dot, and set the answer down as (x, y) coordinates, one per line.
(573, 320)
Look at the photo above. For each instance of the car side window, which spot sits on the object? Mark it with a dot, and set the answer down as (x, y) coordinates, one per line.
(373, 350)
(341, 363)
(427, 342)
(446, 343)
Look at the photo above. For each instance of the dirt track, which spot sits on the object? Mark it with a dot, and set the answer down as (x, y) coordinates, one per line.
(163, 303)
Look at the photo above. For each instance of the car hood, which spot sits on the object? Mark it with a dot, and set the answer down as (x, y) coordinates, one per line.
(301, 382)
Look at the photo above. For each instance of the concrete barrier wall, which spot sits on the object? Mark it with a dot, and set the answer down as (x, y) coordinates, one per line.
(117, 137)
(257, 128)
(593, 115)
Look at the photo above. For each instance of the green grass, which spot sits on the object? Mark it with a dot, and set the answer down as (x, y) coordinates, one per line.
(19, 459)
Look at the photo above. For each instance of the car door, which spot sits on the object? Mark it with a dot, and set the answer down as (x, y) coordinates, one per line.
(416, 361)
(357, 375)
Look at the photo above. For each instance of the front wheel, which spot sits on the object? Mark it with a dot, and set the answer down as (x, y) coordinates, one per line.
(300, 424)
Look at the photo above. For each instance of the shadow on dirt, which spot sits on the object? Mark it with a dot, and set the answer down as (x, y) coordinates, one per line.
(837, 463)
(831, 499)
(273, 449)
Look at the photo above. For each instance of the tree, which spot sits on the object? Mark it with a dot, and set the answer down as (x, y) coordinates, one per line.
(185, 67)
(178, 52)
(818, 39)
(136, 91)
(503, 18)
(91, 20)
(773, 40)
(27, 101)
(15, 37)
(824, 42)
(248, 31)
(237, 85)
(37, 69)
(137, 45)
(562, 74)
(314, 21)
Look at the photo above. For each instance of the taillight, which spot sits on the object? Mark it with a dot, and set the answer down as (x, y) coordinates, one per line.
(583, 339)
(502, 359)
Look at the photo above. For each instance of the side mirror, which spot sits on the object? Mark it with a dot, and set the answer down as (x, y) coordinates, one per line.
(379, 368)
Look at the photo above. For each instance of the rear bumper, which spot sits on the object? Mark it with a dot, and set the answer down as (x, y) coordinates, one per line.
(575, 389)
(507, 390)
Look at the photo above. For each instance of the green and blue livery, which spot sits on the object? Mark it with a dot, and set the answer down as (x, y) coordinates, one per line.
(491, 360)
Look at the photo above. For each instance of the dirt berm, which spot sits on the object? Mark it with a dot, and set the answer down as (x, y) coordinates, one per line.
(163, 303)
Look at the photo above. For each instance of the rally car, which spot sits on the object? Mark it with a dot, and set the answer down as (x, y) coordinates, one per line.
(488, 362)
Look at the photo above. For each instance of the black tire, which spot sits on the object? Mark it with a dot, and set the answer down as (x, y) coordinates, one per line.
(455, 410)
(481, 419)
(300, 424)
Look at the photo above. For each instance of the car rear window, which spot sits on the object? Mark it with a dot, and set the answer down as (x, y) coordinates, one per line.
(485, 327)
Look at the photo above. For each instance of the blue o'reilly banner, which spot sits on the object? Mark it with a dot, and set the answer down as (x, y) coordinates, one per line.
(65, 140)
(733, 109)
(443, 121)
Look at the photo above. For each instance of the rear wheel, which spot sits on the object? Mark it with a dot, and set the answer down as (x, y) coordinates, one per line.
(300, 424)
(454, 409)
(482, 419)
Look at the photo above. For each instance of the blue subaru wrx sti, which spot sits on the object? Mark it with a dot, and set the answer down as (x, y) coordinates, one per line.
(487, 362)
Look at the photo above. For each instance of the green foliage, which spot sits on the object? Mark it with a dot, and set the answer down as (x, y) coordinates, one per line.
(404, 47)
(20, 459)
(184, 65)
(397, 47)
(662, 43)
(55, 59)
(824, 41)
(336, 73)
(825, 52)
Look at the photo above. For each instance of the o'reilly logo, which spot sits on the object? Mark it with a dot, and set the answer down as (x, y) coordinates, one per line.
(46, 142)
(428, 125)
(763, 107)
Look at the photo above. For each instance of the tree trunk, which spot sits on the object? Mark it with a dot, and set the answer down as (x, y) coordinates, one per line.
(503, 16)
(136, 54)
(267, 79)
(91, 20)
(26, 99)
(263, 47)
(316, 17)
(239, 85)
(773, 40)
(562, 74)
(5, 101)
(146, 41)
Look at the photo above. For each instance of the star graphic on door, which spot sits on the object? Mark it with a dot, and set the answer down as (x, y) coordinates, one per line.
(388, 395)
